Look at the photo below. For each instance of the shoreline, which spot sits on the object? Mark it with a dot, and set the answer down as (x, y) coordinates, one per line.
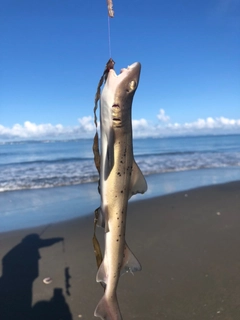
(187, 243)
(37, 207)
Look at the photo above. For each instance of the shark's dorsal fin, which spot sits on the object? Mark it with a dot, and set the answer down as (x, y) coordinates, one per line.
(138, 182)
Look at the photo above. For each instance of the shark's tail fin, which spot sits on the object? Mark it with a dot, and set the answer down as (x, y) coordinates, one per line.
(108, 309)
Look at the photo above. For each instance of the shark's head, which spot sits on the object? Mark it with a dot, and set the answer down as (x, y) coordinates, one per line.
(117, 95)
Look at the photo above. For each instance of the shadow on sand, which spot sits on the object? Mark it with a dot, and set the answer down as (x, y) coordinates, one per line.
(19, 270)
(55, 309)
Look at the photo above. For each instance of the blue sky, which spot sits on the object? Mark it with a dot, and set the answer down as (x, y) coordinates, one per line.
(53, 53)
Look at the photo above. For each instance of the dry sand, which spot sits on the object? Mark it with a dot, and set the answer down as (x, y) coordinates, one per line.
(188, 244)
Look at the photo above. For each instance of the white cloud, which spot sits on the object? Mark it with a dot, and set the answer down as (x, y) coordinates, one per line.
(30, 130)
(208, 125)
(139, 124)
(87, 124)
(141, 128)
(162, 116)
(220, 125)
(214, 123)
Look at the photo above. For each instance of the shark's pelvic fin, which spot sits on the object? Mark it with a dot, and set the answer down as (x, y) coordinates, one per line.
(138, 182)
(130, 262)
(108, 309)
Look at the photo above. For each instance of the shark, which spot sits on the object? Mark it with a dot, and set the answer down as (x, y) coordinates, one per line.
(120, 179)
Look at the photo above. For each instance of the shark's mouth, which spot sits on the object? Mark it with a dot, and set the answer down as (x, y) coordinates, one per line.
(121, 73)
(124, 71)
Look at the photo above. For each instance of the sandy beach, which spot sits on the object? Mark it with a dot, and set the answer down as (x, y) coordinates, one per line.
(188, 245)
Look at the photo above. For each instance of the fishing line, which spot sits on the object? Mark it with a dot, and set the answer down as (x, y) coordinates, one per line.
(110, 15)
(109, 38)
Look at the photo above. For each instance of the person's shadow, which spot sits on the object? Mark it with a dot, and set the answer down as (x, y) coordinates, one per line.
(19, 270)
(55, 309)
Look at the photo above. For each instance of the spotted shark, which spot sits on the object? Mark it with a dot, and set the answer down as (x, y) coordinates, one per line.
(120, 178)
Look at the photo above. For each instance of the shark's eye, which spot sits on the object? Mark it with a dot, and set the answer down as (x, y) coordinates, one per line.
(131, 86)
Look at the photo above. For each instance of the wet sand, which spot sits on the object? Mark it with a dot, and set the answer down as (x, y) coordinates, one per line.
(188, 244)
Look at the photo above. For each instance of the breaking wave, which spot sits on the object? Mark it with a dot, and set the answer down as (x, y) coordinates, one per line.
(32, 165)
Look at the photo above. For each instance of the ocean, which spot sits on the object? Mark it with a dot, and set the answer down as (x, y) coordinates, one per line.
(42, 182)
(47, 164)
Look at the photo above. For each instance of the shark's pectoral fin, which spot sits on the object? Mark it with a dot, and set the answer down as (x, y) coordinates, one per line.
(108, 309)
(138, 182)
(130, 262)
(102, 273)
